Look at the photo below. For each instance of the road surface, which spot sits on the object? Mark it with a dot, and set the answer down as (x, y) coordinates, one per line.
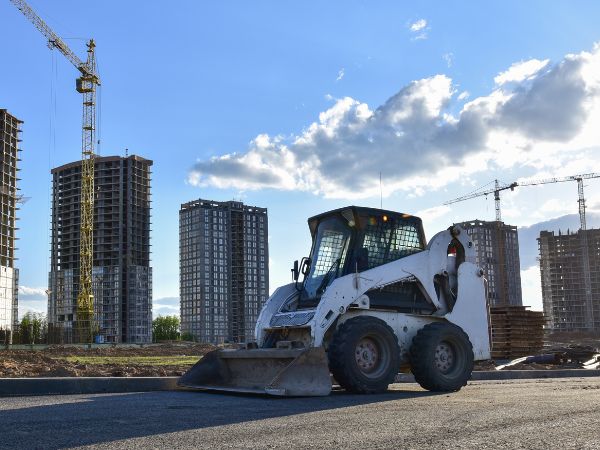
(560, 413)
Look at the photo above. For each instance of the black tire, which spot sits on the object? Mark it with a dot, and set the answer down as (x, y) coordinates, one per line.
(441, 357)
(363, 355)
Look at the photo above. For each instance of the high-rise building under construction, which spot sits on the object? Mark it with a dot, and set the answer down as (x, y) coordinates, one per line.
(121, 274)
(223, 269)
(10, 129)
(570, 287)
(497, 253)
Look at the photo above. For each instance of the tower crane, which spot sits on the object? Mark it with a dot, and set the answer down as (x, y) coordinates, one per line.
(502, 284)
(86, 85)
(585, 258)
(498, 187)
(579, 178)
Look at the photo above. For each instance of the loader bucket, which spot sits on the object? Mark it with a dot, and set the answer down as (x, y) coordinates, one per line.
(281, 372)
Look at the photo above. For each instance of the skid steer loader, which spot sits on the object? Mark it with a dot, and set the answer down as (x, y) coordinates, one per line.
(374, 300)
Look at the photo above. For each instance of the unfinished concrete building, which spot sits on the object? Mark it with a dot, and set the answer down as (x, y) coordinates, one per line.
(223, 269)
(570, 293)
(497, 253)
(121, 275)
(10, 129)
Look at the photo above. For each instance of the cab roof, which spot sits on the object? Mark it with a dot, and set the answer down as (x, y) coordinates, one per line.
(362, 211)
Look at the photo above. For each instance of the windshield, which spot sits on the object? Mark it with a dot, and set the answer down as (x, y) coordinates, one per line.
(329, 254)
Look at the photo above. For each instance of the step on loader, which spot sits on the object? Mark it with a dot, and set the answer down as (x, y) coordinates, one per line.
(372, 299)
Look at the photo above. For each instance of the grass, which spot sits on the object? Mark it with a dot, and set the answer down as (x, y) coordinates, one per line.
(134, 360)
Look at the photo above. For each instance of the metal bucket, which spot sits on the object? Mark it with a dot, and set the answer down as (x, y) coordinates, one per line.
(281, 372)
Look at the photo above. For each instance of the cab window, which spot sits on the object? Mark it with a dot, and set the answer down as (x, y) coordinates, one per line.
(388, 239)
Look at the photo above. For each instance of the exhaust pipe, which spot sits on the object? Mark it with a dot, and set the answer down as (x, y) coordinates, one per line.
(279, 372)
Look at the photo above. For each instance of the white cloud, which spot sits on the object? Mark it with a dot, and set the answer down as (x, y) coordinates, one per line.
(542, 121)
(31, 291)
(464, 95)
(340, 74)
(531, 288)
(166, 306)
(449, 58)
(418, 25)
(36, 306)
(419, 29)
(521, 71)
(429, 215)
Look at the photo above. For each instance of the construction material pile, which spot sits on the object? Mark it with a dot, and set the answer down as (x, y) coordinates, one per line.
(516, 331)
(572, 357)
(578, 356)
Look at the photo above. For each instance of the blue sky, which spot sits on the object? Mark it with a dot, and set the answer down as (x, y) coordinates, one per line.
(298, 107)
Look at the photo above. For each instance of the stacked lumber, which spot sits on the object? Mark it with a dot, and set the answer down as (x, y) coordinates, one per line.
(516, 331)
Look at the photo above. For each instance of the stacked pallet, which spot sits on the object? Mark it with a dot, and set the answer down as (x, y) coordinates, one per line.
(516, 331)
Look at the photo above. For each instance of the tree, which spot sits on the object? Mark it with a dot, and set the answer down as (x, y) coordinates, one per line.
(187, 336)
(33, 328)
(165, 328)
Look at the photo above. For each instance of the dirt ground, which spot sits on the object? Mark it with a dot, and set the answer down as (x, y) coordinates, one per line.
(173, 359)
(58, 361)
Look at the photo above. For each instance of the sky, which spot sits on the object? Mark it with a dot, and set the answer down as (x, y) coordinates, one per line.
(301, 107)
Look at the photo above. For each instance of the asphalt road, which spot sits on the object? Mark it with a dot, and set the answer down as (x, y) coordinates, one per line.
(561, 413)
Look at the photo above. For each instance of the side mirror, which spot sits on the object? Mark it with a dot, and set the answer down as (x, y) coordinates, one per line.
(305, 266)
(295, 271)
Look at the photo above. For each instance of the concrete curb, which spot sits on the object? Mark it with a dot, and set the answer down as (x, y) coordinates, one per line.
(515, 375)
(10, 387)
(84, 385)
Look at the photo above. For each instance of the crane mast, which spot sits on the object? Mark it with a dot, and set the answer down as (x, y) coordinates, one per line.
(499, 187)
(585, 256)
(86, 85)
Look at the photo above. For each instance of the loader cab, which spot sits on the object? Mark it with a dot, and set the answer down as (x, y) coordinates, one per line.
(355, 239)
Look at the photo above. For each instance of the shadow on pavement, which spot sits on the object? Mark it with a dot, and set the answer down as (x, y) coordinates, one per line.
(96, 419)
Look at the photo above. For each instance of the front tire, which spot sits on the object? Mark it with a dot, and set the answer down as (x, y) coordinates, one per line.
(363, 355)
(441, 357)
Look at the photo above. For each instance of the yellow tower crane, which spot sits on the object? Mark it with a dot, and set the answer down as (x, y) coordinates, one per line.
(86, 85)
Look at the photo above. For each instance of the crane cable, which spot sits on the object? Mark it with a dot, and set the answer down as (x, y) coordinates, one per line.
(51, 145)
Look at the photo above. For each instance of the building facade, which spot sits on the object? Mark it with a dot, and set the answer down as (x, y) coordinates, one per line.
(570, 287)
(10, 129)
(223, 269)
(497, 253)
(121, 274)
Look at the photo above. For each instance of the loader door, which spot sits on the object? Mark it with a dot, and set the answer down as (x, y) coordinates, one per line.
(328, 258)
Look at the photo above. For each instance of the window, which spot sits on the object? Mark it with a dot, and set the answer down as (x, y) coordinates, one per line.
(331, 245)
(389, 240)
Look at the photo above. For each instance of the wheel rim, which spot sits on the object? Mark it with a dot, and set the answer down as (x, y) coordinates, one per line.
(445, 357)
(371, 357)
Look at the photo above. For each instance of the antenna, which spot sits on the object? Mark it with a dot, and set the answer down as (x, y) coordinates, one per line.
(380, 193)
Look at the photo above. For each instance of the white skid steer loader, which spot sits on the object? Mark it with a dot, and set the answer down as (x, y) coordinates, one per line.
(374, 300)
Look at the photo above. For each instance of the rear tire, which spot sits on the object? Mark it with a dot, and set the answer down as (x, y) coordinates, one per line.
(363, 355)
(441, 357)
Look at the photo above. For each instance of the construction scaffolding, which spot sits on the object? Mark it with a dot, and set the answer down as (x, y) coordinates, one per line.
(10, 129)
(570, 276)
(238, 284)
(121, 274)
